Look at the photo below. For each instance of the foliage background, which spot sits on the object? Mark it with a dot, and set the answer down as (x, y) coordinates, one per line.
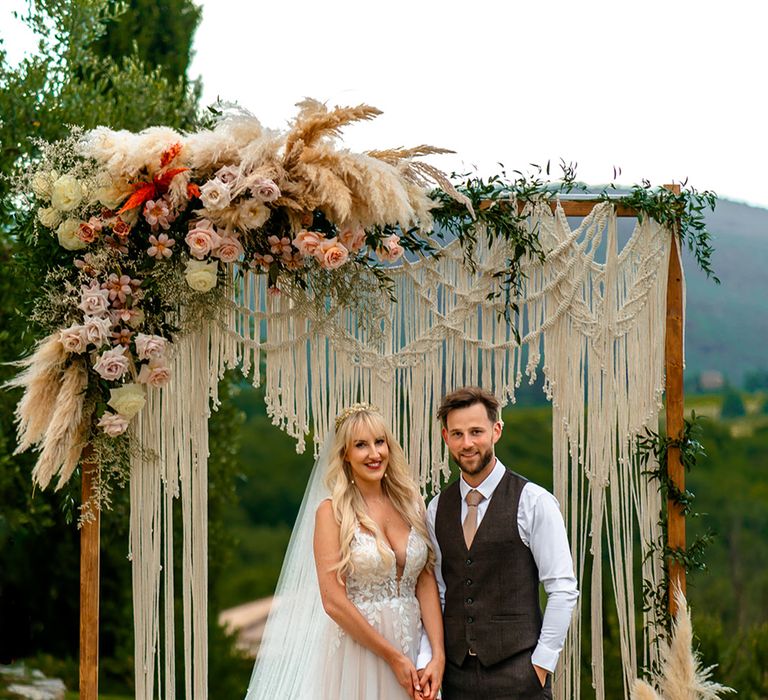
(125, 65)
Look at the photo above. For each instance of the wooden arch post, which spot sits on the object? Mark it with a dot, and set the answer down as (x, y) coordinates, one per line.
(675, 411)
(90, 541)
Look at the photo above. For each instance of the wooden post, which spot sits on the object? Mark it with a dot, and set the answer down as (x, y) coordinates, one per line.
(673, 359)
(89, 589)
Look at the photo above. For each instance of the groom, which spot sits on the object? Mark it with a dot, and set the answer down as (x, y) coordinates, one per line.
(496, 537)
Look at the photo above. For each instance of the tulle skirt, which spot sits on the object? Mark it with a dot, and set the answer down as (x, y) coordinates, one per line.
(352, 672)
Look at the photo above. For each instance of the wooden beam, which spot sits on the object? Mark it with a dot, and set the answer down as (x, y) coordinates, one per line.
(675, 411)
(90, 533)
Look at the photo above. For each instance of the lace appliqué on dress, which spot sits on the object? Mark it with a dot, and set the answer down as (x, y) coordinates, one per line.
(376, 591)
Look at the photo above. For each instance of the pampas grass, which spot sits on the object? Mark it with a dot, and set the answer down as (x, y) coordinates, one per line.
(682, 676)
(41, 380)
(59, 447)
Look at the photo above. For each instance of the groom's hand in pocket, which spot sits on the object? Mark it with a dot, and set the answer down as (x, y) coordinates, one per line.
(541, 673)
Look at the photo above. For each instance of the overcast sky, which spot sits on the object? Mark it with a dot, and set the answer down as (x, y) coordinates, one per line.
(663, 90)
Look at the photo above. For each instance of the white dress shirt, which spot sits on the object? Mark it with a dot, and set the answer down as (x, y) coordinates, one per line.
(542, 530)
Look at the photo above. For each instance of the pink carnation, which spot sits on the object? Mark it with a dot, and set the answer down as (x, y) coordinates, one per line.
(112, 364)
(160, 246)
(157, 213)
(331, 254)
(113, 424)
(307, 241)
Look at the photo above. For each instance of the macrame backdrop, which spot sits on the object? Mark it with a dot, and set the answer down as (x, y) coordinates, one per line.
(598, 323)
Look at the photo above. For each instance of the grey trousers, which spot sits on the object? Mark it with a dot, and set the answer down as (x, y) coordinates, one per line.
(511, 679)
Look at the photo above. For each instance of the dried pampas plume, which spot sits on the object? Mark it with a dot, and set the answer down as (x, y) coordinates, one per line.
(63, 441)
(315, 121)
(50, 413)
(682, 676)
(41, 380)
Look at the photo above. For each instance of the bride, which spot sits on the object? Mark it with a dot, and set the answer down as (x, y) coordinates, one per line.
(349, 626)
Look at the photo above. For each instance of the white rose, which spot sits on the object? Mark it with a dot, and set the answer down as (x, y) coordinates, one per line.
(41, 185)
(201, 276)
(127, 400)
(67, 235)
(112, 365)
(215, 195)
(73, 339)
(67, 193)
(252, 214)
(48, 217)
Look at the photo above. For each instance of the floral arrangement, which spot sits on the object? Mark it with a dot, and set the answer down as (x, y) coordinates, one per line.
(143, 225)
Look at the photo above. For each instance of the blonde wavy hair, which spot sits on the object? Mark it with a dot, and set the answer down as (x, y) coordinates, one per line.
(346, 500)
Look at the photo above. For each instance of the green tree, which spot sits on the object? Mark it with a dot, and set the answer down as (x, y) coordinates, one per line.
(161, 32)
(81, 74)
(733, 405)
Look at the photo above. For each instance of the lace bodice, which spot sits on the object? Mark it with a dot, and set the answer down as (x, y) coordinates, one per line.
(376, 591)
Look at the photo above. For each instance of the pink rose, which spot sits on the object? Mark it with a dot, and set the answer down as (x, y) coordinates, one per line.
(73, 338)
(94, 300)
(265, 190)
(353, 238)
(331, 254)
(307, 241)
(202, 239)
(150, 347)
(97, 330)
(112, 364)
(229, 249)
(390, 249)
(113, 424)
(228, 174)
(156, 373)
(88, 233)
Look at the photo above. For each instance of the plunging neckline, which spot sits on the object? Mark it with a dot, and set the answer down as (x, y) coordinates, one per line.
(398, 578)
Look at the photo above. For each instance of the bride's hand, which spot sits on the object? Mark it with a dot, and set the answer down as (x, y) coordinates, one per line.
(431, 677)
(406, 674)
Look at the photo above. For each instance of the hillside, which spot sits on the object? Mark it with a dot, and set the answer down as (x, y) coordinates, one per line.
(727, 324)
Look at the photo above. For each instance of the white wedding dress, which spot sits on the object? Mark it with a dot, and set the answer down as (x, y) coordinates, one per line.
(350, 671)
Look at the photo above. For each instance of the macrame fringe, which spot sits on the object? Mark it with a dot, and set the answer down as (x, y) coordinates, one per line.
(599, 327)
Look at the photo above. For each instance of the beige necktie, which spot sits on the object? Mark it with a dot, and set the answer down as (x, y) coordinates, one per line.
(470, 522)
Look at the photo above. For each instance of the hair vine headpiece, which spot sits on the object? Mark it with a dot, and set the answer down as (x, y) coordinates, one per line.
(351, 410)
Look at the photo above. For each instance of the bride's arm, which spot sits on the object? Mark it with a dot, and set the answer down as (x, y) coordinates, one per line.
(432, 619)
(341, 609)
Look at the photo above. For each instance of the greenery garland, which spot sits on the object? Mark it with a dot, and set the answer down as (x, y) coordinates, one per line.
(691, 558)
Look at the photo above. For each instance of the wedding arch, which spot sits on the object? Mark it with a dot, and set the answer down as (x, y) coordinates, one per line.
(319, 273)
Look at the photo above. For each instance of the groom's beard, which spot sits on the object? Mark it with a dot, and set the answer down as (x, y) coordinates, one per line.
(468, 468)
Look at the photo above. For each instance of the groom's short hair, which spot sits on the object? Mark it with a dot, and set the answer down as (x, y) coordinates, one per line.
(465, 397)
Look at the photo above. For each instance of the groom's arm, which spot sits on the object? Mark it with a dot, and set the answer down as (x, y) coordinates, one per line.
(543, 530)
(425, 649)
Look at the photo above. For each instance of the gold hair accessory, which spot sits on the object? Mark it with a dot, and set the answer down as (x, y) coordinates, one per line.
(351, 410)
